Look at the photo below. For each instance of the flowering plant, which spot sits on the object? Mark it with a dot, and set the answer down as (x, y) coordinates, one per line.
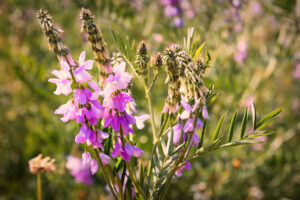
(106, 112)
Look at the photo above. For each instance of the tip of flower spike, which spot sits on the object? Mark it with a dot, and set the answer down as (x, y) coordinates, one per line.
(44, 18)
(86, 14)
(142, 48)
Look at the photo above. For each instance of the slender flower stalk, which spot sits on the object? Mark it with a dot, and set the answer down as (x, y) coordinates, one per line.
(39, 186)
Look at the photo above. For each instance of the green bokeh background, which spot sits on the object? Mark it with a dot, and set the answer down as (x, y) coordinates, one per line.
(28, 125)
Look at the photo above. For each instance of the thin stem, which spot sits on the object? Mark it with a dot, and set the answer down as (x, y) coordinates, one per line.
(151, 113)
(153, 81)
(138, 188)
(39, 187)
(105, 175)
(180, 158)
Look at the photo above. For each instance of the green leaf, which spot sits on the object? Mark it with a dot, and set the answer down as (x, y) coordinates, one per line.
(217, 131)
(268, 118)
(232, 126)
(244, 123)
(207, 57)
(170, 142)
(118, 164)
(198, 51)
(107, 145)
(240, 142)
(202, 135)
(141, 174)
(253, 110)
(258, 134)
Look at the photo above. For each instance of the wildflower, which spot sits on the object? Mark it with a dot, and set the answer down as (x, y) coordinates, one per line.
(68, 111)
(187, 166)
(126, 151)
(241, 53)
(90, 162)
(140, 120)
(80, 172)
(62, 82)
(39, 164)
(80, 74)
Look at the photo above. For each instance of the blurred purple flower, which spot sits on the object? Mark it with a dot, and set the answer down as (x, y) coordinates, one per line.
(80, 172)
(241, 53)
(170, 2)
(171, 11)
(296, 73)
(258, 147)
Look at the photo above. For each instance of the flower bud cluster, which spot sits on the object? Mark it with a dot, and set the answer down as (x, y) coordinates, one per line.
(187, 90)
(142, 59)
(156, 62)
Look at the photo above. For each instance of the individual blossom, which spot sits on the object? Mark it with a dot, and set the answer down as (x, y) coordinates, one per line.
(140, 120)
(90, 162)
(80, 72)
(80, 172)
(126, 151)
(68, 110)
(63, 80)
(187, 166)
(39, 164)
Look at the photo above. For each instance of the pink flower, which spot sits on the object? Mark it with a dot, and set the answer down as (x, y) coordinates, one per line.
(97, 90)
(104, 158)
(140, 120)
(80, 74)
(62, 81)
(88, 161)
(69, 111)
(127, 151)
(187, 166)
(81, 173)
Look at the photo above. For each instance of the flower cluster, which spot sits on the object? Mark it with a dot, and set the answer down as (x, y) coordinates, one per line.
(94, 106)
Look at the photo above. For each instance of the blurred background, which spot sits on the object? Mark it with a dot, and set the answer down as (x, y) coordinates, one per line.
(256, 57)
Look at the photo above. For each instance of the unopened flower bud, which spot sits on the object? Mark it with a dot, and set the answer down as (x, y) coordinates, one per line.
(156, 61)
(142, 59)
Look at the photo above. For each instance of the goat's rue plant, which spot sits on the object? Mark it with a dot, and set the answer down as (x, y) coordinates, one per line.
(105, 110)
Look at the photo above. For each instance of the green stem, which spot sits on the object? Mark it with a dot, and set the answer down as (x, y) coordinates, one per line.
(138, 188)
(105, 175)
(180, 158)
(151, 113)
(39, 187)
